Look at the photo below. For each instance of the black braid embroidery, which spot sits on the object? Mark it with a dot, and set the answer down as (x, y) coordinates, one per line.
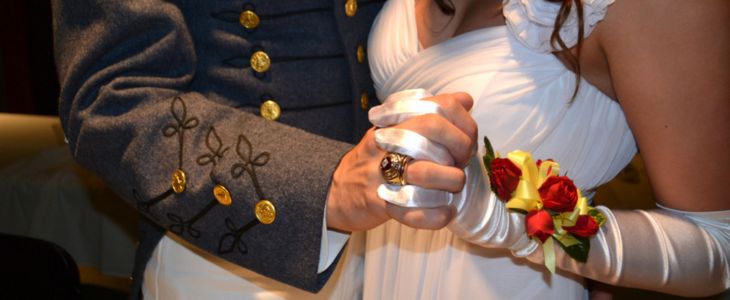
(234, 238)
(181, 226)
(179, 112)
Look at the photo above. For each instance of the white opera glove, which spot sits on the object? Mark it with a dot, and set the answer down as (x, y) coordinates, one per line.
(665, 250)
(670, 251)
(397, 108)
(481, 218)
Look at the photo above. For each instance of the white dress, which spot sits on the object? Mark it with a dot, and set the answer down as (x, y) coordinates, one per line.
(522, 101)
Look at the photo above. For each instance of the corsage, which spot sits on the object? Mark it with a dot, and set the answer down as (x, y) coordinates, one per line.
(554, 208)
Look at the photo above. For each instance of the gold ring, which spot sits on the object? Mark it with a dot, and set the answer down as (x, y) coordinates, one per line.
(393, 167)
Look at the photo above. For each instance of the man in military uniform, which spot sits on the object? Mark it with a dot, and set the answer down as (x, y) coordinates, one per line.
(229, 124)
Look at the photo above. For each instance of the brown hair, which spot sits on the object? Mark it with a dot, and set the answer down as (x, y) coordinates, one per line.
(447, 7)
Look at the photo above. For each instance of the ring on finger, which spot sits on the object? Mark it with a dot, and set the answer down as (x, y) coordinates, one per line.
(393, 166)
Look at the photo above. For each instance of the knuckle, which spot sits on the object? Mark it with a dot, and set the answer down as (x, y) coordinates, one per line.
(467, 142)
(460, 180)
(418, 220)
(441, 218)
(432, 124)
(368, 142)
(456, 182)
(473, 130)
(448, 102)
(461, 150)
(394, 212)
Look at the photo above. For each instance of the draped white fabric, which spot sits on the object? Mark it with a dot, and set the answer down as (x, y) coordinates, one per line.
(532, 22)
(522, 101)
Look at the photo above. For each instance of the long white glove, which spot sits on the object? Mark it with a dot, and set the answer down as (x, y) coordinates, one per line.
(670, 251)
(665, 250)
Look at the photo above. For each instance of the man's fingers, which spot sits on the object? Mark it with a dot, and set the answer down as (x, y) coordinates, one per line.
(423, 218)
(439, 130)
(465, 99)
(433, 176)
(456, 106)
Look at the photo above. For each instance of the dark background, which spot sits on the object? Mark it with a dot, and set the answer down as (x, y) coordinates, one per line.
(28, 82)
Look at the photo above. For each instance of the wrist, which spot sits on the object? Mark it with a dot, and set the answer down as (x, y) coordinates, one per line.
(352, 202)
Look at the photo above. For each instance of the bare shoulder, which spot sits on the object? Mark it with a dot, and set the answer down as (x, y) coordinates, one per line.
(669, 39)
(669, 63)
(664, 23)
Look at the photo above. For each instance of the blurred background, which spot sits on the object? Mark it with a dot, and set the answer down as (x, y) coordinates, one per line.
(49, 202)
(63, 234)
(28, 79)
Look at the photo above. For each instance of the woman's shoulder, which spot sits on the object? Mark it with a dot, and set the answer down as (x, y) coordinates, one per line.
(532, 21)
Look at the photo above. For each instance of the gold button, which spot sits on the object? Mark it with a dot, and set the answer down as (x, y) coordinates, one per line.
(350, 7)
(222, 195)
(265, 212)
(249, 19)
(364, 101)
(178, 181)
(260, 61)
(270, 110)
(360, 53)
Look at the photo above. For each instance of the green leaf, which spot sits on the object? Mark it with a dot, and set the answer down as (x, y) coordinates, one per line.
(488, 146)
(489, 156)
(578, 251)
(487, 163)
(597, 216)
(566, 239)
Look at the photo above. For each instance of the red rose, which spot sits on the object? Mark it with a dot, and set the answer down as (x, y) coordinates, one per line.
(559, 194)
(540, 224)
(504, 177)
(585, 226)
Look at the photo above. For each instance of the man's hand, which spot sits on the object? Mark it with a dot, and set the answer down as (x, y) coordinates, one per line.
(353, 203)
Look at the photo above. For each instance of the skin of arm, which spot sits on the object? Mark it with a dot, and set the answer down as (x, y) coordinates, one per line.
(668, 64)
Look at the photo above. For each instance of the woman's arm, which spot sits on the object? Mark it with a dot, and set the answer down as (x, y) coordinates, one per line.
(669, 62)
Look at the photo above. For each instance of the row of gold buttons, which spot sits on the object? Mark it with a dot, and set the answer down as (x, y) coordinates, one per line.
(260, 62)
(350, 11)
(265, 211)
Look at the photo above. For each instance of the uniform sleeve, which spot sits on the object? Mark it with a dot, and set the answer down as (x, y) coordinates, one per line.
(204, 170)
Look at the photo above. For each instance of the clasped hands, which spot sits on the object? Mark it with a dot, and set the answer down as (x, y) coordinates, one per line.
(354, 203)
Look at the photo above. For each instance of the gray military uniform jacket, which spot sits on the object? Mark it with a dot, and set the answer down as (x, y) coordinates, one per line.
(164, 101)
